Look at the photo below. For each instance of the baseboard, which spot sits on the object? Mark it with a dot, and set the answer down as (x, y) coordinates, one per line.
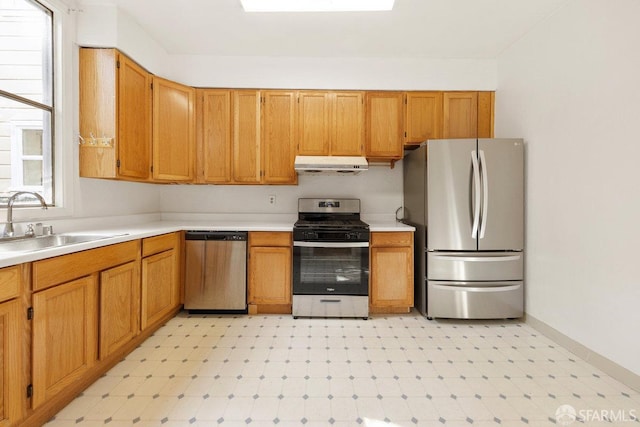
(606, 365)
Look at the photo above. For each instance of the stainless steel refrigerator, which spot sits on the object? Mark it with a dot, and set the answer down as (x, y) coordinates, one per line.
(466, 199)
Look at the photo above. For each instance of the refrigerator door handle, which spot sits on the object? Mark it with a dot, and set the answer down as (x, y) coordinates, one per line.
(485, 194)
(476, 186)
(478, 258)
(479, 289)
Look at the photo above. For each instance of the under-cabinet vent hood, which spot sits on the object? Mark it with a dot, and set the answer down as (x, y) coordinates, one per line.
(330, 165)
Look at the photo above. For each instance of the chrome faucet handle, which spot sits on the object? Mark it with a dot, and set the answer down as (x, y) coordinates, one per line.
(47, 230)
(30, 232)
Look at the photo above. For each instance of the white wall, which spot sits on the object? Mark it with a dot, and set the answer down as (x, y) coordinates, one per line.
(102, 25)
(335, 73)
(570, 87)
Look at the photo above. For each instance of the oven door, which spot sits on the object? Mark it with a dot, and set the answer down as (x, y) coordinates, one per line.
(326, 268)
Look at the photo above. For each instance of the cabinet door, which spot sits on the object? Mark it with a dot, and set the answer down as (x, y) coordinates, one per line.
(97, 98)
(423, 116)
(214, 136)
(460, 111)
(119, 307)
(160, 287)
(269, 275)
(392, 277)
(278, 137)
(246, 136)
(11, 391)
(64, 336)
(173, 131)
(347, 129)
(314, 123)
(134, 120)
(486, 101)
(384, 125)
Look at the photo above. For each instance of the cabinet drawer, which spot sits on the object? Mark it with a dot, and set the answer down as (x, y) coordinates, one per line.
(392, 239)
(157, 244)
(269, 238)
(54, 271)
(9, 283)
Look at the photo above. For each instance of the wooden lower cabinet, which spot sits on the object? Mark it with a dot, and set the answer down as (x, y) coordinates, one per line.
(269, 272)
(64, 336)
(391, 272)
(11, 391)
(160, 278)
(119, 307)
(158, 294)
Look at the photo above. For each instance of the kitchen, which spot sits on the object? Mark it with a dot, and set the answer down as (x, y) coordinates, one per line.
(579, 283)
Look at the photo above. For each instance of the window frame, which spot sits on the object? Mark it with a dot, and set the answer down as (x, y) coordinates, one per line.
(18, 157)
(63, 75)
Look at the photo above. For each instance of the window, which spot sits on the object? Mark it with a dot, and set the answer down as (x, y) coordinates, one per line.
(26, 100)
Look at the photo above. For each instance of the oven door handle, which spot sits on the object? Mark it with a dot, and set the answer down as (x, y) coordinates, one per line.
(331, 244)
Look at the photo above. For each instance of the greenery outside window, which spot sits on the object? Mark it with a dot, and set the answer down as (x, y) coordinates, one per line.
(26, 100)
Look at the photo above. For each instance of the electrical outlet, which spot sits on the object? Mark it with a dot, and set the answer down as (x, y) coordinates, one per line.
(272, 200)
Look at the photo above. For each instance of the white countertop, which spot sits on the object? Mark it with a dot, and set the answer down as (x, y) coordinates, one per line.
(139, 231)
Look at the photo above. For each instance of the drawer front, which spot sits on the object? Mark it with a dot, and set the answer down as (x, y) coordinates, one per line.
(9, 283)
(330, 306)
(392, 239)
(475, 266)
(270, 238)
(54, 271)
(157, 244)
(467, 300)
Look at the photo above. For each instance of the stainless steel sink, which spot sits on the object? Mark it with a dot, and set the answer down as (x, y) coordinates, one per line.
(29, 244)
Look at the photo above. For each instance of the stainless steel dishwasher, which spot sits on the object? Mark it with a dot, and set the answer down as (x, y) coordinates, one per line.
(216, 271)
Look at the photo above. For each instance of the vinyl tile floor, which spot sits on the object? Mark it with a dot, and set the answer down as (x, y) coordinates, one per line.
(390, 370)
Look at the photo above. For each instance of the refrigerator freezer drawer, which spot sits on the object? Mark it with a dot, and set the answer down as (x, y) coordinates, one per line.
(469, 266)
(467, 300)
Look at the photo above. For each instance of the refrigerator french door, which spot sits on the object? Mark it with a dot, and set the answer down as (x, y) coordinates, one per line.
(467, 197)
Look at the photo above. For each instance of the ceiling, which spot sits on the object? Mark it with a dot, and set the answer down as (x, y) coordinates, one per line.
(469, 29)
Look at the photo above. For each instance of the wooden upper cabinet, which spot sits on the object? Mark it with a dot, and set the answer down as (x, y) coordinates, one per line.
(278, 137)
(115, 116)
(384, 125)
(347, 137)
(423, 116)
(486, 101)
(330, 123)
(134, 120)
(214, 145)
(314, 123)
(173, 131)
(246, 136)
(460, 114)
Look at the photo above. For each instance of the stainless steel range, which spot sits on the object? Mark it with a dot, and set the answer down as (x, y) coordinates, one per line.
(330, 259)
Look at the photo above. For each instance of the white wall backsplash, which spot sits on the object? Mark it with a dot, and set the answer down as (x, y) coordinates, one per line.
(379, 189)
(101, 197)
(570, 88)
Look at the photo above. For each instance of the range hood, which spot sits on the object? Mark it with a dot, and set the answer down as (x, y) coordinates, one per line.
(330, 165)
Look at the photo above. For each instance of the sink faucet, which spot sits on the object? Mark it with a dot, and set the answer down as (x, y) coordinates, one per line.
(8, 228)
